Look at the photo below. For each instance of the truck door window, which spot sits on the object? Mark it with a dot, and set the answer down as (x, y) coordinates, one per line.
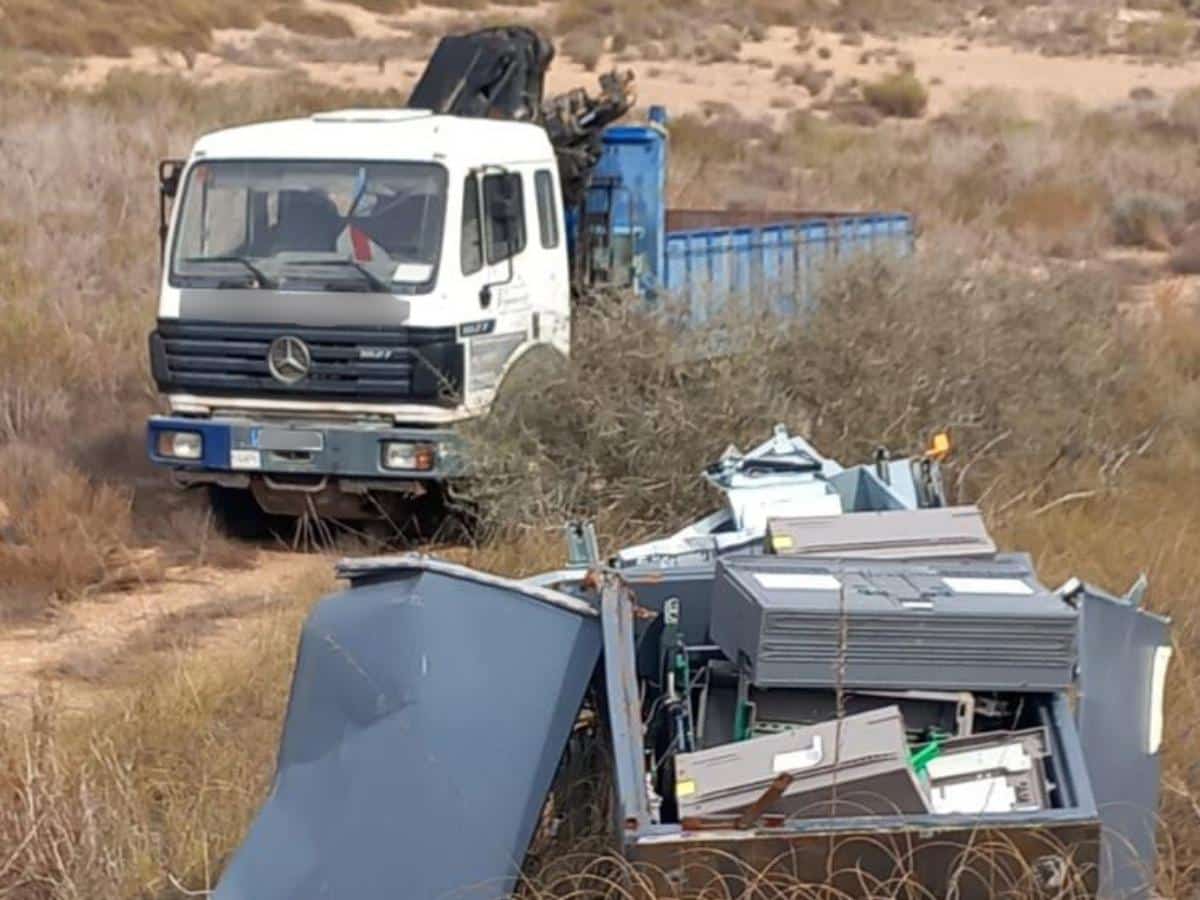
(472, 228)
(504, 212)
(547, 215)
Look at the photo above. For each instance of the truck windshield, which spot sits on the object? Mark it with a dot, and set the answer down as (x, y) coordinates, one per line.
(305, 224)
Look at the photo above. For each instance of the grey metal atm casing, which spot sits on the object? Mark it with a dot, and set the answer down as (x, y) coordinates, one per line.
(932, 625)
(1106, 778)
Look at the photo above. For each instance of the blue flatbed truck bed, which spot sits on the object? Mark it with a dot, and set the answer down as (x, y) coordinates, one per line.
(705, 260)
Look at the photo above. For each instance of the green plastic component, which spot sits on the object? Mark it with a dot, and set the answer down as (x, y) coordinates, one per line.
(923, 756)
(682, 672)
(741, 721)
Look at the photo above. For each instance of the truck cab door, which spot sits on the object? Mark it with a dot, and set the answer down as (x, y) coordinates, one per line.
(1124, 652)
(505, 236)
(494, 266)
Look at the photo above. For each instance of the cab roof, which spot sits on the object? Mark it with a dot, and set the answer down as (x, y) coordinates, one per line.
(382, 134)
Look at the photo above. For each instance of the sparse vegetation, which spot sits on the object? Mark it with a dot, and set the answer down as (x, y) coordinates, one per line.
(1169, 36)
(152, 789)
(585, 48)
(1145, 219)
(310, 22)
(901, 94)
(808, 76)
(1185, 111)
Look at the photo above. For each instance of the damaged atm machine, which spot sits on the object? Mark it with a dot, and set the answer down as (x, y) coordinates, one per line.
(836, 679)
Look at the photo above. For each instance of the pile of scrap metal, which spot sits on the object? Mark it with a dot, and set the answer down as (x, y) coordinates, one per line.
(501, 73)
(836, 678)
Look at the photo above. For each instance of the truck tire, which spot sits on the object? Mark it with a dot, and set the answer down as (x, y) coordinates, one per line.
(238, 514)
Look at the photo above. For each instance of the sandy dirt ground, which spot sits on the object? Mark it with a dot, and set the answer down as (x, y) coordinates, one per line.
(950, 67)
(85, 641)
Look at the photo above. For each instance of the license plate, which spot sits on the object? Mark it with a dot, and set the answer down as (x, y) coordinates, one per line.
(245, 459)
(287, 440)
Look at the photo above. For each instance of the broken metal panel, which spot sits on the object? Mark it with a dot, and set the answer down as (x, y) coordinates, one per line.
(861, 489)
(899, 534)
(418, 747)
(782, 476)
(853, 766)
(1123, 662)
(624, 706)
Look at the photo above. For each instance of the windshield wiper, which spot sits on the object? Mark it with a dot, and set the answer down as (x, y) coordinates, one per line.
(259, 275)
(376, 283)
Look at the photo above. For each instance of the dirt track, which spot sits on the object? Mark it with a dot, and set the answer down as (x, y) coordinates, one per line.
(94, 645)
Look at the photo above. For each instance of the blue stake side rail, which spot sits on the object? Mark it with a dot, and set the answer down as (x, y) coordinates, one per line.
(778, 264)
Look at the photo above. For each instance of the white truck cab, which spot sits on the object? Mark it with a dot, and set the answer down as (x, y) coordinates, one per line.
(339, 291)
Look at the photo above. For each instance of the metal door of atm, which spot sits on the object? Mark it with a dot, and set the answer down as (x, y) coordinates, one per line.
(1124, 652)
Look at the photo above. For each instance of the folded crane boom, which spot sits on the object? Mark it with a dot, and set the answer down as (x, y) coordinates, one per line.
(500, 73)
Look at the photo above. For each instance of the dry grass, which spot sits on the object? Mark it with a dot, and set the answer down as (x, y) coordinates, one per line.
(1170, 36)
(705, 31)
(1047, 394)
(115, 27)
(1185, 111)
(310, 22)
(155, 787)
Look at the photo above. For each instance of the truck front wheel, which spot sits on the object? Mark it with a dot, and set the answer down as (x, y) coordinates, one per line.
(238, 514)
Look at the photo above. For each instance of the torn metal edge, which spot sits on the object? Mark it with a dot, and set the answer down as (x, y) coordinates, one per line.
(405, 563)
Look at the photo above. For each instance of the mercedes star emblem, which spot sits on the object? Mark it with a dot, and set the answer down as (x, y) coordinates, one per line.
(289, 359)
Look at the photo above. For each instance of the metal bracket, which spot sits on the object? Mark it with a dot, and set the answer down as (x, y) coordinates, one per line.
(583, 551)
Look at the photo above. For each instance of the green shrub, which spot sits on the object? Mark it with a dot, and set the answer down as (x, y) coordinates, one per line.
(1146, 219)
(1169, 36)
(900, 94)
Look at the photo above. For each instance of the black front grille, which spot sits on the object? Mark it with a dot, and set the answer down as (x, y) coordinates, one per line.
(422, 365)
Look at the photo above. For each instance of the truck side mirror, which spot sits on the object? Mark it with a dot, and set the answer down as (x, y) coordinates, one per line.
(169, 172)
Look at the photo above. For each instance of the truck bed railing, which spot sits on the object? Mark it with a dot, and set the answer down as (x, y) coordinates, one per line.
(778, 267)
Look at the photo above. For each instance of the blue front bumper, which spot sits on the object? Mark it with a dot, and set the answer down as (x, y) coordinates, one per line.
(246, 446)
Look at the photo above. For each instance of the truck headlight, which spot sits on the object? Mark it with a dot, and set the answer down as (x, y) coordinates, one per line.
(180, 444)
(409, 456)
